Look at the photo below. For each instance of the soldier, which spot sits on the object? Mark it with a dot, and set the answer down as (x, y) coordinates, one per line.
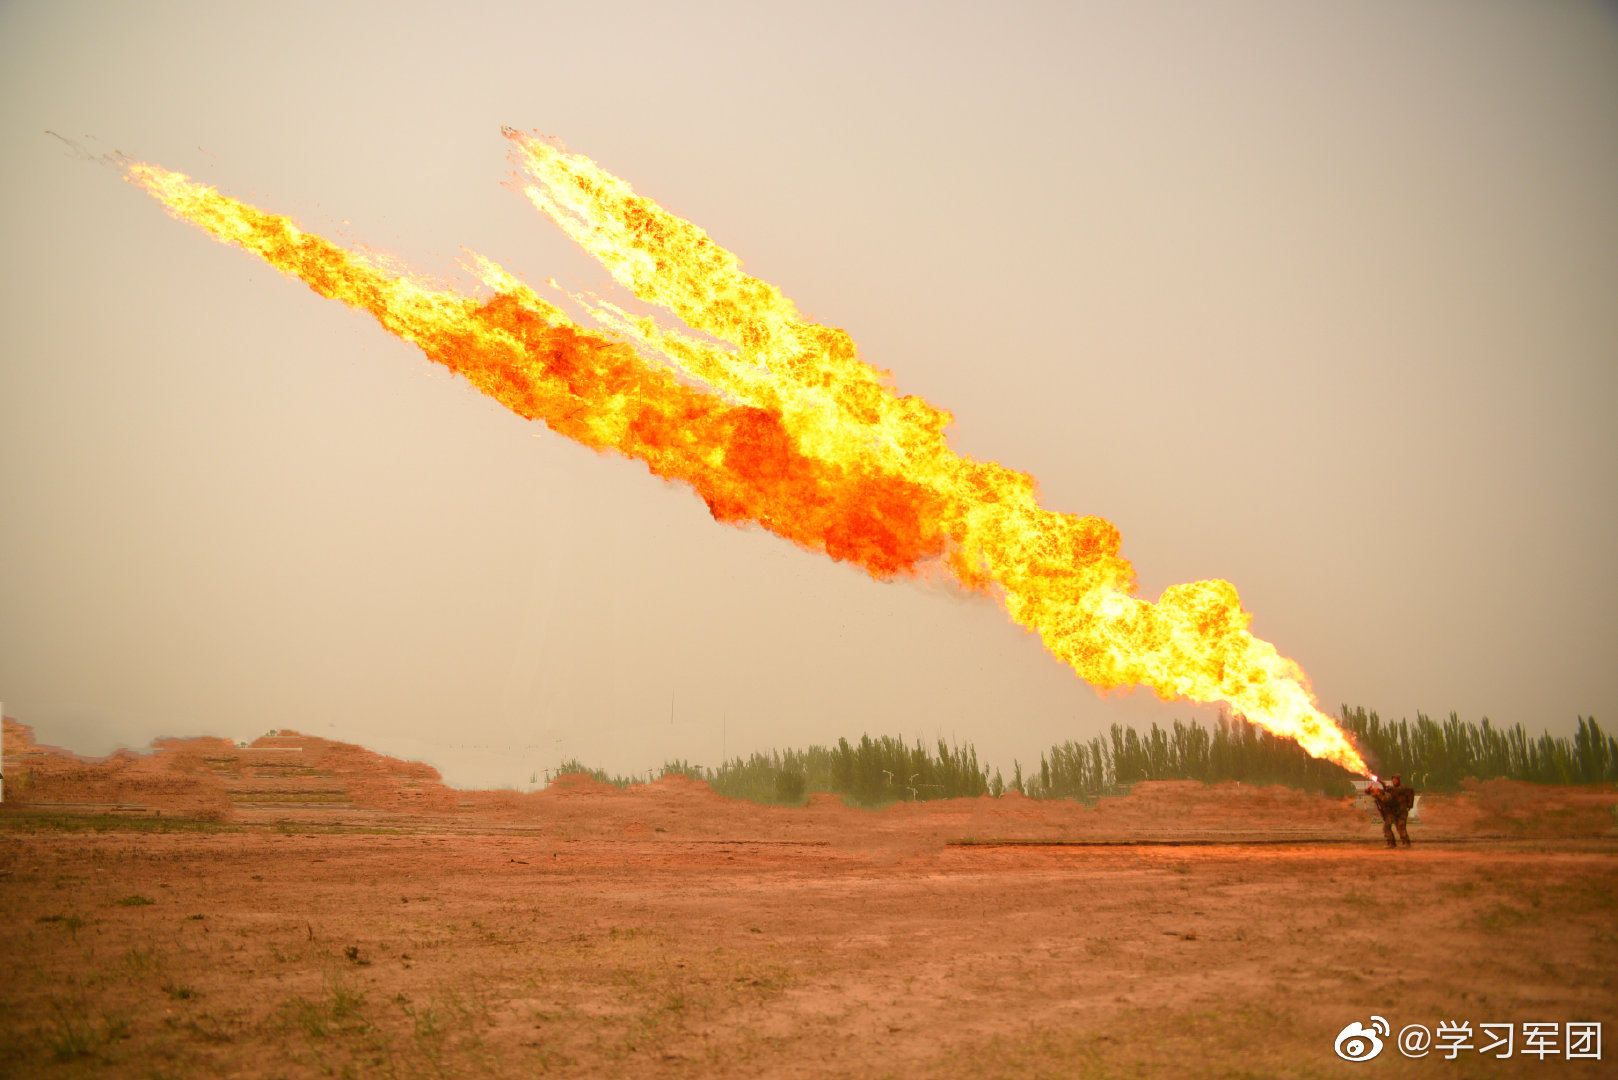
(1403, 798)
(1387, 805)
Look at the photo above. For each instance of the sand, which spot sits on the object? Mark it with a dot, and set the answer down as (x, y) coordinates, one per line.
(581, 931)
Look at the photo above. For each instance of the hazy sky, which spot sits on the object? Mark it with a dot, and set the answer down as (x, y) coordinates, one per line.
(1320, 298)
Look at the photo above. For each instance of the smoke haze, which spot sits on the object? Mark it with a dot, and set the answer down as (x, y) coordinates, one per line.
(1314, 301)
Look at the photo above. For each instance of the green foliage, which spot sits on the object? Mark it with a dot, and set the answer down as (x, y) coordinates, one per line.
(142, 962)
(872, 772)
(71, 1034)
(339, 1011)
(790, 786)
(72, 922)
(1438, 756)
(1429, 755)
(30, 821)
(1230, 750)
(135, 901)
(574, 765)
(885, 770)
(878, 771)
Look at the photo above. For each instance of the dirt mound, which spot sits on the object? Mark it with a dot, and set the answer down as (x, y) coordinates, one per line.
(1519, 809)
(573, 784)
(507, 805)
(209, 777)
(1216, 805)
(293, 777)
(176, 778)
(371, 781)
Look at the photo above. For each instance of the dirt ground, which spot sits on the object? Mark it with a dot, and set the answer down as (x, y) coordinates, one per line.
(667, 932)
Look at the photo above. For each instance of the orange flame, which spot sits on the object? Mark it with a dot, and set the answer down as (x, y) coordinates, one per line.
(524, 353)
(795, 433)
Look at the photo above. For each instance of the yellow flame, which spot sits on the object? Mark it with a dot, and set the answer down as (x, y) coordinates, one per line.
(1059, 575)
(796, 433)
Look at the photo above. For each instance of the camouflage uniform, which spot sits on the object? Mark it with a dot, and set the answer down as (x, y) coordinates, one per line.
(1404, 797)
(1388, 808)
(1393, 802)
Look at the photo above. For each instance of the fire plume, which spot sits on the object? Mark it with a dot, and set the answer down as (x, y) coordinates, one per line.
(785, 426)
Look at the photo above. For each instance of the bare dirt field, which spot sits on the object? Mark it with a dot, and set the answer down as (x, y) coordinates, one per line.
(667, 932)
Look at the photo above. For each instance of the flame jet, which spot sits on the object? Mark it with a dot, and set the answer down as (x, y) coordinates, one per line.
(794, 432)
(526, 354)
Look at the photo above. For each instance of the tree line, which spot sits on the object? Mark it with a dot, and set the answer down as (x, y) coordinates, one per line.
(1440, 755)
(1430, 755)
(871, 772)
